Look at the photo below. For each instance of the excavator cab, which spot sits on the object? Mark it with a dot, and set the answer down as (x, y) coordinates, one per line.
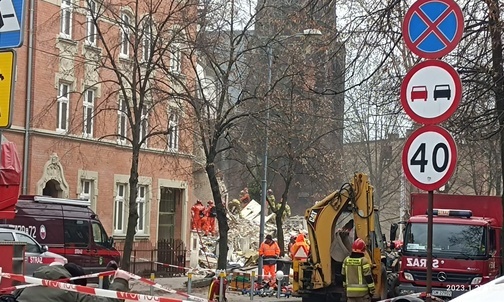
(333, 224)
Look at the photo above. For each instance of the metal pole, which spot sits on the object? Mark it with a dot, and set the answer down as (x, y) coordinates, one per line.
(222, 275)
(429, 245)
(265, 164)
(153, 279)
(252, 286)
(279, 288)
(189, 283)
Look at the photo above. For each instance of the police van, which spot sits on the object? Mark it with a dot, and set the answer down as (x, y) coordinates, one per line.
(67, 227)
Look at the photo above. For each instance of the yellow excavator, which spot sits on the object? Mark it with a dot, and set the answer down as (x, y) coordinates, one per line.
(333, 224)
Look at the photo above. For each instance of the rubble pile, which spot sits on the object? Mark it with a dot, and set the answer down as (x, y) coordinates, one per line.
(243, 236)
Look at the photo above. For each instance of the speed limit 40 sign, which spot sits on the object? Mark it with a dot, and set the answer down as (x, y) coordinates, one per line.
(429, 157)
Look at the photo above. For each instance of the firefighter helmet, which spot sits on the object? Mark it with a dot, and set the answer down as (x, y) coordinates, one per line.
(359, 246)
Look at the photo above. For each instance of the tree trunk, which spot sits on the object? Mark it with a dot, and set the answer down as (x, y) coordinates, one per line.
(221, 215)
(494, 27)
(280, 232)
(132, 209)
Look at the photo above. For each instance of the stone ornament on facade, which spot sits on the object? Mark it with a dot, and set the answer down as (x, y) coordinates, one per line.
(53, 170)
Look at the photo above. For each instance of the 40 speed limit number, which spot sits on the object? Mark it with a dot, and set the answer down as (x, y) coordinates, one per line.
(429, 157)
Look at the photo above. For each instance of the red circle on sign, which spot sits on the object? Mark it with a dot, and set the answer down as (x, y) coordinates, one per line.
(451, 164)
(455, 99)
(415, 10)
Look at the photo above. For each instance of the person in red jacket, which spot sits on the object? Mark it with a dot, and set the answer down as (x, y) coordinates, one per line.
(197, 212)
(269, 251)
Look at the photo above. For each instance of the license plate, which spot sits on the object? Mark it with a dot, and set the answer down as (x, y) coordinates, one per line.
(442, 293)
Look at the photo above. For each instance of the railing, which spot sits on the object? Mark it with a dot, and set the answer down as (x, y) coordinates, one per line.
(145, 254)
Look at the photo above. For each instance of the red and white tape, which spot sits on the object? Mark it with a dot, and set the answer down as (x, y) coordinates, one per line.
(171, 291)
(89, 290)
(13, 288)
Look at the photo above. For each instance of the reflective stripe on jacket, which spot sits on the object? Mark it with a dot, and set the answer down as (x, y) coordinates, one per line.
(358, 279)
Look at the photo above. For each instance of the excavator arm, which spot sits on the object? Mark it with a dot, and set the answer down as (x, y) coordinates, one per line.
(347, 213)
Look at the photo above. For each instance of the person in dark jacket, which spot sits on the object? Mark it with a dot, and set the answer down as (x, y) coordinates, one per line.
(56, 272)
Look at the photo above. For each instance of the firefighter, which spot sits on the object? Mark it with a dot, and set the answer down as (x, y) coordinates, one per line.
(356, 271)
(300, 243)
(234, 206)
(271, 201)
(196, 215)
(244, 197)
(210, 214)
(270, 252)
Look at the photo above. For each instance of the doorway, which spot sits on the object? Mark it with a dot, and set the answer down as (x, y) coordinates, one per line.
(168, 201)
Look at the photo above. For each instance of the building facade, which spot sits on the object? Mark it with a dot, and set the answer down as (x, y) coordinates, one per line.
(73, 127)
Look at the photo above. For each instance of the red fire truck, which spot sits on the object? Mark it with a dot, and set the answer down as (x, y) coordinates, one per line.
(465, 247)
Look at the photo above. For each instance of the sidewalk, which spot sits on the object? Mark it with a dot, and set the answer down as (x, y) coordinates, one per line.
(177, 283)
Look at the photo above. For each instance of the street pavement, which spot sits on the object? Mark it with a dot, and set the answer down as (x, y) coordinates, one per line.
(177, 283)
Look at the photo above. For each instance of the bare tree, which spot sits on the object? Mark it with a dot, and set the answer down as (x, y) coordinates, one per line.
(125, 44)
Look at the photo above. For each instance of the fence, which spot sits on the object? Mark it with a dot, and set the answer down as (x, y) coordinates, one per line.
(169, 251)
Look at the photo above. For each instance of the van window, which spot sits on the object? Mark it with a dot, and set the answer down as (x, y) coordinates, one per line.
(31, 245)
(6, 237)
(99, 235)
(76, 233)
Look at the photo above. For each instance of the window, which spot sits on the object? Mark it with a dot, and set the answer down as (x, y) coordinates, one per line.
(175, 58)
(6, 237)
(122, 122)
(76, 233)
(91, 27)
(120, 200)
(63, 99)
(173, 131)
(99, 235)
(147, 40)
(125, 30)
(66, 19)
(89, 100)
(169, 197)
(87, 192)
(31, 245)
(141, 208)
(144, 126)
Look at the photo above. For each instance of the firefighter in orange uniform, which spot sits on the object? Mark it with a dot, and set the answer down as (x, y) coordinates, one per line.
(269, 251)
(357, 277)
(300, 243)
(197, 212)
(210, 214)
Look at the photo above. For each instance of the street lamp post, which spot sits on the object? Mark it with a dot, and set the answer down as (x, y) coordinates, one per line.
(264, 182)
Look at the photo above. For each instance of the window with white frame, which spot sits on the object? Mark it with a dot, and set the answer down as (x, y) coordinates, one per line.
(122, 120)
(63, 102)
(144, 125)
(142, 210)
(119, 208)
(125, 31)
(89, 103)
(66, 19)
(173, 131)
(87, 191)
(147, 40)
(91, 27)
(175, 58)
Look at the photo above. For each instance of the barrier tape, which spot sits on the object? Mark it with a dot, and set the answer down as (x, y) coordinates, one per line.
(171, 291)
(89, 290)
(13, 288)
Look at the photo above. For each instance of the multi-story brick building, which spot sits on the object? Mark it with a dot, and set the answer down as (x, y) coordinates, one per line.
(71, 125)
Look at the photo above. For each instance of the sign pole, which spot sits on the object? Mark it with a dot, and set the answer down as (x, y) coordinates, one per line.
(429, 244)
